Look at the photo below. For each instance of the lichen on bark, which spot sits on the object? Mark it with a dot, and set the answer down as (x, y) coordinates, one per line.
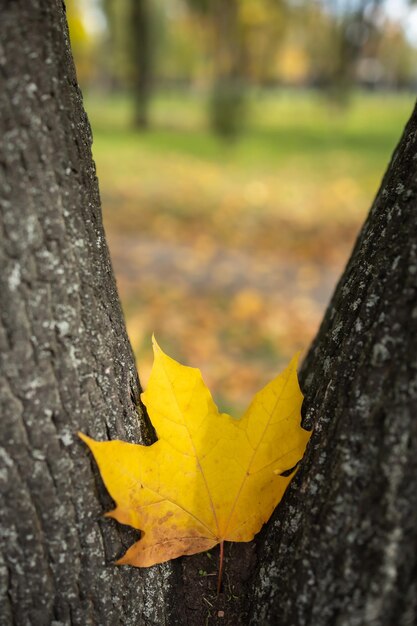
(342, 548)
(66, 362)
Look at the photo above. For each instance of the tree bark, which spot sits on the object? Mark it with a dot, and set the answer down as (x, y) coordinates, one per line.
(342, 546)
(66, 362)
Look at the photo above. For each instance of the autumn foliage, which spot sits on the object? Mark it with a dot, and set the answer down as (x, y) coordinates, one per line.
(209, 478)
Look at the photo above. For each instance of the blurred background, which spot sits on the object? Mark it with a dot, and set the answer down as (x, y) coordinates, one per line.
(239, 144)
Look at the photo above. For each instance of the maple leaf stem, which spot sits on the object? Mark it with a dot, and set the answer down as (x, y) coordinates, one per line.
(221, 558)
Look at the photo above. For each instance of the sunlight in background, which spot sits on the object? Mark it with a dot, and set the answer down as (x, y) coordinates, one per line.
(405, 13)
(231, 215)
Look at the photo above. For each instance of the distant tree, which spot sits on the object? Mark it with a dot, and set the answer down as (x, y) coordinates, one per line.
(129, 50)
(355, 28)
(366, 48)
(228, 63)
(141, 44)
(227, 97)
(109, 53)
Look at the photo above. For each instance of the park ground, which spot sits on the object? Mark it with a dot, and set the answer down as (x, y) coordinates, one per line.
(229, 252)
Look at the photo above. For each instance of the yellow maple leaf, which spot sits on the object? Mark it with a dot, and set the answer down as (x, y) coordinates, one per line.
(209, 478)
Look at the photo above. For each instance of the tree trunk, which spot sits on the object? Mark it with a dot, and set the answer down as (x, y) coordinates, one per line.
(342, 546)
(66, 362)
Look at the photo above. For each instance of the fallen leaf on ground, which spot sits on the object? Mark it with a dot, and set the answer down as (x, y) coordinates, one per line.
(209, 478)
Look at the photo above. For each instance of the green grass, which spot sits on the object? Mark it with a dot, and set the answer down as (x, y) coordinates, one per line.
(296, 135)
(298, 156)
(279, 126)
(292, 192)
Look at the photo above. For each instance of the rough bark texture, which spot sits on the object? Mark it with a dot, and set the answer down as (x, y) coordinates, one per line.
(342, 547)
(66, 363)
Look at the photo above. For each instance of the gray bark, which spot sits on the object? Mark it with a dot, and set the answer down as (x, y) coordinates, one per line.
(342, 547)
(66, 363)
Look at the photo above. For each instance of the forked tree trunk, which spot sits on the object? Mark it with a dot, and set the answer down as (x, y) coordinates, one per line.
(66, 363)
(341, 549)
